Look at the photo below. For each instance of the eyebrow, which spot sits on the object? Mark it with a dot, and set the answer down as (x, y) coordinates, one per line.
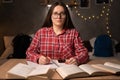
(59, 12)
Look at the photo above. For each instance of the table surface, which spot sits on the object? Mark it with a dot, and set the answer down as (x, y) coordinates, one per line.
(53, 75)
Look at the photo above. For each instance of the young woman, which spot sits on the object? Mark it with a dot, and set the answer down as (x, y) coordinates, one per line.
(57, 39)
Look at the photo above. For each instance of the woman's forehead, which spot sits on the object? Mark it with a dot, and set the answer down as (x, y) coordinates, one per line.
(58, 9)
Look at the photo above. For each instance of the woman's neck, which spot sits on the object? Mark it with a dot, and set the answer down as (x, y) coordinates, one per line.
(57, 29)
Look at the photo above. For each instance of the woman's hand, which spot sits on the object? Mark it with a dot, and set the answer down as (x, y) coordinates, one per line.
(44, 60)
(71, 61)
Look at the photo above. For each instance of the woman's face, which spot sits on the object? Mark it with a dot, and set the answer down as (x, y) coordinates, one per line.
(58, 16)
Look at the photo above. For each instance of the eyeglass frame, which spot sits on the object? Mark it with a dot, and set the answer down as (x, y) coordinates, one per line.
(61, 14)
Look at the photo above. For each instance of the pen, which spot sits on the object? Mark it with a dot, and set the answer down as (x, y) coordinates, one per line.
(55, 63)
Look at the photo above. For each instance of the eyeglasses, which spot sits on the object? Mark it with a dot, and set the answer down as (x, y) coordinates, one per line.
(56, 15)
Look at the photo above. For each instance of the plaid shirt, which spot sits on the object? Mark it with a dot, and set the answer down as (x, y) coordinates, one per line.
(63, 46)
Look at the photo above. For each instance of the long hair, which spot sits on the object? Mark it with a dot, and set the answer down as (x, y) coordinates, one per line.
(68, 22)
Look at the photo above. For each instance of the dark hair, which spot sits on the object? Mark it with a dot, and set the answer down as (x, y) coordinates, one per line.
(68, 22)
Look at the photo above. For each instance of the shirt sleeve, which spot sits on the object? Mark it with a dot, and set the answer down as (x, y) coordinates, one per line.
(80, 51)
(33, 52)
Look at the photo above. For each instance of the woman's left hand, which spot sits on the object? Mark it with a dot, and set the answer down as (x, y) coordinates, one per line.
(71, 61)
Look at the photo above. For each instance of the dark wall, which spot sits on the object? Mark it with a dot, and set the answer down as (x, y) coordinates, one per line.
(20, 16)
(94, 27)
(27, 16)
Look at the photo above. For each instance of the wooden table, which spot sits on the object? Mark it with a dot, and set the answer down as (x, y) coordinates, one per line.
(53, 75)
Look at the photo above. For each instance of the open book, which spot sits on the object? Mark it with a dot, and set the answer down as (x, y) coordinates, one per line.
(25, 71)
(109, 66)
(84, 70)
(33, 69)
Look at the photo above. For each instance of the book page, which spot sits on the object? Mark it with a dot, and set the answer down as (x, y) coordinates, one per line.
(70, 71)
(21, 70)
(107, 68)
(32, 64)
(92, 71)
(40, 70)
(53, 64)
(112, 65)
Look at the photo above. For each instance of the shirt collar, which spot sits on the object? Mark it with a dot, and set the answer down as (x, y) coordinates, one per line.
(50, 29)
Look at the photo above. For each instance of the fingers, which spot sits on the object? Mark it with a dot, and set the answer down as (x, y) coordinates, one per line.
(71, 61)
(44, 60)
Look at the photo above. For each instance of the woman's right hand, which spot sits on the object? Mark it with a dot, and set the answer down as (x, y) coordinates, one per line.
(44, 60)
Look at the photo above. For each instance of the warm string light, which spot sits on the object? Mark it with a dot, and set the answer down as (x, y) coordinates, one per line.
(104, 13)
(107, 19)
